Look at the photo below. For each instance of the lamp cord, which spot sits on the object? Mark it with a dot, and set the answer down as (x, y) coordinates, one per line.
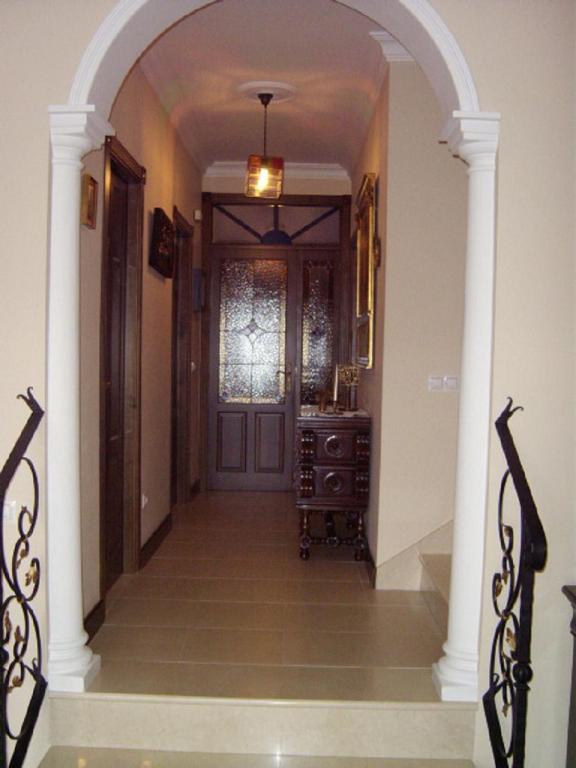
(265, 127)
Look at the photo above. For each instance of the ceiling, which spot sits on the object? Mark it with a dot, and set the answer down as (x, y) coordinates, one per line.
(320, 47)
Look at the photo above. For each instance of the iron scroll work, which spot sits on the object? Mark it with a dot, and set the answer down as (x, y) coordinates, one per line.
(20, 653)
(512, 596)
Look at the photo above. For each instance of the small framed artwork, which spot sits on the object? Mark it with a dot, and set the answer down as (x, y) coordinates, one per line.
(162, 244)
(366, 262)
(89, 206)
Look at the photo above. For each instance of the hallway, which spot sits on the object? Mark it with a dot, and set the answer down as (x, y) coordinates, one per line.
(227, 609)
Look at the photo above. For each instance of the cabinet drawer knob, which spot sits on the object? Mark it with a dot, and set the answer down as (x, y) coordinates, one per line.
(333, 446)
(333, 482)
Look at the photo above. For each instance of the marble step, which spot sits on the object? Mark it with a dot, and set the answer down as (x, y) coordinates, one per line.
(436, 578)
(73, 757)
(438, 569)
(425, 730)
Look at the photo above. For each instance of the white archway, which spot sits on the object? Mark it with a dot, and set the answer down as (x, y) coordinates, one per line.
(82, 125)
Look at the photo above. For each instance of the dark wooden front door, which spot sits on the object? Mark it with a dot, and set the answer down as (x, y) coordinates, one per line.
(181, 361)
(115, 304)
(120, 365)
(252, 368)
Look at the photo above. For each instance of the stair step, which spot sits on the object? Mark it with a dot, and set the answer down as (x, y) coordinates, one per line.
(439, 730)
(438, 569)
(72, 757)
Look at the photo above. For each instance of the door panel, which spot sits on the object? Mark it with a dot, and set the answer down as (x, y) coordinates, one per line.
(253, 322)
(231, 442)
(269, 442)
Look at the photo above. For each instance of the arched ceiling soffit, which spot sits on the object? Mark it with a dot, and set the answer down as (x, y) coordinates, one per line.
(133, 25)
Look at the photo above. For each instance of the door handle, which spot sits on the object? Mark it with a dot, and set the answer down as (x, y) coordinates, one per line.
(288, 376)
(287, 373)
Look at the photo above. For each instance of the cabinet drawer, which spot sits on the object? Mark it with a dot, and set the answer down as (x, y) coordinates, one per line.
(331, 446)
(342, 484)
(335, 446)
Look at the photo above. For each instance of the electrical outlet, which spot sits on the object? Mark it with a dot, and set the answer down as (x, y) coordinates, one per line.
(435, 383)
(451, 383)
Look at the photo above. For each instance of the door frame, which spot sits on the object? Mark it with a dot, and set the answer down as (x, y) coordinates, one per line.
(117, 158)
(249, 253)
(345, 276)
(181, 432)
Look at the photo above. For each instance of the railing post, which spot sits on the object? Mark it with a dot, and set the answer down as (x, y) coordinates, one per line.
(512, 596)
(20, 649)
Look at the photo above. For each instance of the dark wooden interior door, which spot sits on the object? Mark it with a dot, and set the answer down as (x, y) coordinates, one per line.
(252, 368)
(115, 304)
(180, 486)
(121, 332)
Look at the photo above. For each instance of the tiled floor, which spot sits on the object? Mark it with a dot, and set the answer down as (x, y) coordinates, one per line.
(226, 608)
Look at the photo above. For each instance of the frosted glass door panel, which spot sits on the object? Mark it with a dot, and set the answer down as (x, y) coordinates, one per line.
(252, 353)
(317, 329)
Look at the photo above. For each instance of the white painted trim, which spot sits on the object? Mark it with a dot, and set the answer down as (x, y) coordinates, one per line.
(393, 50)
(71, 664)
(134, 24)
(125, 33)
(474, 138)
(236, 169)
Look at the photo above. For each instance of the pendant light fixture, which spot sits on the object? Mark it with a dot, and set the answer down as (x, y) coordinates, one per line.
(264, 174)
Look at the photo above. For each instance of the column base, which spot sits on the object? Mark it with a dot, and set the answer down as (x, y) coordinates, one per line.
(74, 680)
(455, 677)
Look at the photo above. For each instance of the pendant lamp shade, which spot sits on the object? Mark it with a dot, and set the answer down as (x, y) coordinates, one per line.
(264, 174)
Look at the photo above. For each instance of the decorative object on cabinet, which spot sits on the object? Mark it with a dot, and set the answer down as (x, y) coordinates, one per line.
(162, 246)
(367, 259)
(333, 478)
(348, 375)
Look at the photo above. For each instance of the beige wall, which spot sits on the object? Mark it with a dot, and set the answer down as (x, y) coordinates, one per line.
(521, 53)
(420, 291)
(37, 69)
(526, 71)
(171, 179)
(374, 159)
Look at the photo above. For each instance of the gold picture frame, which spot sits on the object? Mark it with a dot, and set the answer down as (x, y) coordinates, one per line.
(367, 252)
(89, 207)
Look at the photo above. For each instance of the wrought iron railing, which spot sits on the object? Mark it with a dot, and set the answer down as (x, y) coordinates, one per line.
(506, 700)
(20, 652)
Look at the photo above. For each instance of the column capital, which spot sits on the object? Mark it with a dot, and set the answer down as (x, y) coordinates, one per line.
(473, 136)
(77, 129)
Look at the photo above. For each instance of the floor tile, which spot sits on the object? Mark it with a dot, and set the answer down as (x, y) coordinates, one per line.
(141, 643)
(227, 608)
(233, 646)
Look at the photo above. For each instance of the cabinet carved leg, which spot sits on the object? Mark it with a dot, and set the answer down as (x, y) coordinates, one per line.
(331, 538)
(360, 540)
(305, 540)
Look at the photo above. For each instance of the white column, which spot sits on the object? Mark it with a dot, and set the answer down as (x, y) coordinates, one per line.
(474, 137)
(71, 664)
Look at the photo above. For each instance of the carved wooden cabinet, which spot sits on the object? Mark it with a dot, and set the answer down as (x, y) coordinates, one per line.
(333, 476)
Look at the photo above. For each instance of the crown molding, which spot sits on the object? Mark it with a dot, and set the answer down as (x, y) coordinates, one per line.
(237, 169)
(393, 51)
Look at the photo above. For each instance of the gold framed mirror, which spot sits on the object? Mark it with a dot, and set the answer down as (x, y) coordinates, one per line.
(367, 252)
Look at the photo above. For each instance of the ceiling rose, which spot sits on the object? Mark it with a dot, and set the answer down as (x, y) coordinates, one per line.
(280, 91)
